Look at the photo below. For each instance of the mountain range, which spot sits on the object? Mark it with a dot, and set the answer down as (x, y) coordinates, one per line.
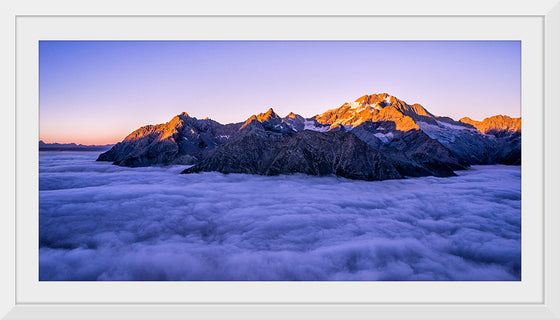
(376, 137)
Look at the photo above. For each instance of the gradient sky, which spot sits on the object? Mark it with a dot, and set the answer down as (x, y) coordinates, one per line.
(97, 92)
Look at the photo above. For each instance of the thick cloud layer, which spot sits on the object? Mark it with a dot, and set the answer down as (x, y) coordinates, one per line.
(104, 222)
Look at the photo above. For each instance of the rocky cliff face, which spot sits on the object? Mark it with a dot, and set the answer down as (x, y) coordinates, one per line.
(262, 148)
(250, 150)
(332, 153)
(299, 123)
(505, 133)
(183, 140)
(295, 121)
(510, 149)
(269, 121)
(413, 153)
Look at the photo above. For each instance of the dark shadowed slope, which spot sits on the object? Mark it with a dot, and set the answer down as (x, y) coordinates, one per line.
(259, 151)
(413, 153)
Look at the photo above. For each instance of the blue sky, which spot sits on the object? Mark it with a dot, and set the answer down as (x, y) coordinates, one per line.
(96, 92)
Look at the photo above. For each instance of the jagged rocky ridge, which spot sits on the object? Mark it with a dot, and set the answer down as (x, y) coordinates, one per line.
(495, 125)
(183, 140)
(266, 145)
(375, 137)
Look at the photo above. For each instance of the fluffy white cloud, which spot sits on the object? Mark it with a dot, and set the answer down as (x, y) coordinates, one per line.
(104, 222)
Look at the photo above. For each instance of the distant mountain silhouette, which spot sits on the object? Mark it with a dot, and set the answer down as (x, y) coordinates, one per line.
(71, 147)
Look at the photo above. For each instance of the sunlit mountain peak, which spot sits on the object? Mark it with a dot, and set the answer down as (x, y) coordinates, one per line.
(267, 116)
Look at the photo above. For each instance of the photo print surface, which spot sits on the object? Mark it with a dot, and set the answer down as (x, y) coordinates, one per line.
(279, 161)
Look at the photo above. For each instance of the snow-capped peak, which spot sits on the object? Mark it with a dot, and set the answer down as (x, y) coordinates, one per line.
(387, 100)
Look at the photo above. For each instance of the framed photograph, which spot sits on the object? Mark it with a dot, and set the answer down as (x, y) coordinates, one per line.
(397, 161)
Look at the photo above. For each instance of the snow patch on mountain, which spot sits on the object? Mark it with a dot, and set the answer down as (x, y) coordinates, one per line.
(439, 132)
(387, 100)
(445, 132)
(310, 125)
(362, 108)
(354, 105)
(384, 137)
(454, 127)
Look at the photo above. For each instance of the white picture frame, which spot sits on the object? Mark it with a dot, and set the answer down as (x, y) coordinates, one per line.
(25, 23)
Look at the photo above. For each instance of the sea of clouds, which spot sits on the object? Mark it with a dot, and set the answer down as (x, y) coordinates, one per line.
(98, 221)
